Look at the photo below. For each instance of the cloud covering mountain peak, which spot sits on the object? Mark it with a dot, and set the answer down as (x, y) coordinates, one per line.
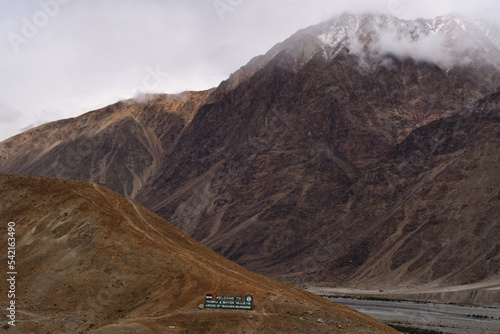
(445, 41)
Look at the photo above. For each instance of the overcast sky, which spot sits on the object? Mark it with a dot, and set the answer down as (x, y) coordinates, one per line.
(61, 58)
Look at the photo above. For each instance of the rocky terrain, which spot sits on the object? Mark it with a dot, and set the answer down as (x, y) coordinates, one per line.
(348, 155)
(92, 261)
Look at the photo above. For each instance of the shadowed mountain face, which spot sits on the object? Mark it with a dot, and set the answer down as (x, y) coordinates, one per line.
(324, 193)
(90, 260)
(309, 166)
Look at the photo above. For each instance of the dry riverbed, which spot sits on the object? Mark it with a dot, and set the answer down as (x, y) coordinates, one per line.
(430, 316)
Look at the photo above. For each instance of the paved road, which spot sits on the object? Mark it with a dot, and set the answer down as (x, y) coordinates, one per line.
(439, 317)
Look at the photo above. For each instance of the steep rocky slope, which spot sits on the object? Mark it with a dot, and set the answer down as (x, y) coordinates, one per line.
(334, 159)
(327, 206)
(428, 212)
(122, 146)
(90, 260)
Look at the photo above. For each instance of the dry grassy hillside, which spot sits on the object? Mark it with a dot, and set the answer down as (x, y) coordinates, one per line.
(90, 260)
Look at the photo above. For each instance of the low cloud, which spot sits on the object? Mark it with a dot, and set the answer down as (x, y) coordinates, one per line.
(446, 41)
(430, 48)
(33, 125)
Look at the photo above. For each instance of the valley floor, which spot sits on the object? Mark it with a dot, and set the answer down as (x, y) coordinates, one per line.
(479, 294)
(443, 318)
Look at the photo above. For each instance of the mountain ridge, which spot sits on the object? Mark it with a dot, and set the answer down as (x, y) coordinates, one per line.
(337, 34)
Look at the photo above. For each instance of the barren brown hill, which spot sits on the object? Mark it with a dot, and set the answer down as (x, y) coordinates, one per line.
(317, 163)
(90, 260)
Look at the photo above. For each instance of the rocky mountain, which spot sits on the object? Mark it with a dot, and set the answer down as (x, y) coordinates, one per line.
(446, 41)
(359, 152)
(92, 261)
(122, 146)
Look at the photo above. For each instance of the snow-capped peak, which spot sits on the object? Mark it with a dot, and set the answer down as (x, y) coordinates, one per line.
(445, 40)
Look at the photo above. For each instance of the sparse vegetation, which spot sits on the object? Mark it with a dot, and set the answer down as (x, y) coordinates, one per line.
(379, 299)
(480, 316)
(413, 330)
